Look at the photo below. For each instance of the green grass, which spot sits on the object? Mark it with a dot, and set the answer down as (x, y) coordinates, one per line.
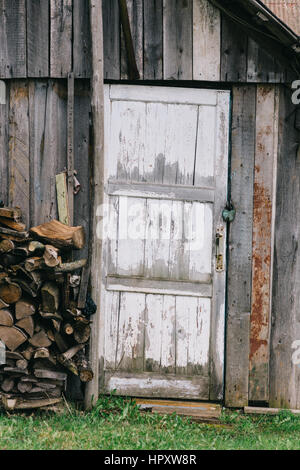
(116, 424)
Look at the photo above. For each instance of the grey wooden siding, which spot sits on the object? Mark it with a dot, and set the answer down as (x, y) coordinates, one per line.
(173, 40)
(33, 147)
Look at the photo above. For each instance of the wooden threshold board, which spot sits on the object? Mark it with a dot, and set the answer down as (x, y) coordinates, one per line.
(209, 412)
(255, 410)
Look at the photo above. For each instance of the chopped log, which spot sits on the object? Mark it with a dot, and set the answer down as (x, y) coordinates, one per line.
(28, 352)
(42, 353)
(24, 308)
(13, 355)
(6, 246)
(50, 335)
(30, 288)
(10, 292)
(49, 374)
(20, 404)
(68, 364)
(21, 251)
(51, 256)
(82, 334)
(59, 235)
(10, 259)
(36, 248)
(85, 277)
(51, 316)
(71, 267)
(46, 385)
(7, 384)
(15, 371)
(3, 304)
(67, 329)
(45, 363)
(40, 340)
(27, 325)
(22, 364)
(60, 343)
(24, 387)
(32, 264)
(13, 213)
(50, 297)
(85, 371)
(7, 233)
(6, 318)
(18, 226)
(12, 337)
(56, 325)
(72, 351)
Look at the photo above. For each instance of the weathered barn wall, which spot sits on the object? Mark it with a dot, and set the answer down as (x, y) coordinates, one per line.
(173, 40)
(44, 38)
(185, 40)
(285, 332)
(33, 147)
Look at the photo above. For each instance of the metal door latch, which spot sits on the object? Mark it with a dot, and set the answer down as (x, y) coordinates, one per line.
(220, 244)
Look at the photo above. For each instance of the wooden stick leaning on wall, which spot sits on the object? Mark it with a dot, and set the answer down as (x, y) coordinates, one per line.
(97, 98)
(133, 72)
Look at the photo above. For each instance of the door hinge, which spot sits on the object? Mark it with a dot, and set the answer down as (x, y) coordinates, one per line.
(220, 249)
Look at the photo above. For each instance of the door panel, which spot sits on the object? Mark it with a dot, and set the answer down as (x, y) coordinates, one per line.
(163, 295)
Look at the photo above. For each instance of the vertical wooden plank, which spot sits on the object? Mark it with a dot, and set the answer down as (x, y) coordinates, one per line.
(81, 39)
(38, 38)
(4, 108)
(13, 39)
(19, 176)
(178, 39)
(48, 145)
(285, 331)
(234, 44)
(153, 40)
(111, 36)
(262, 67)
(70, 151)
(206, 41)
(130, 345)
(265, 157)
(81, 158)
(240, 247)
(135, 12)
(61, 25)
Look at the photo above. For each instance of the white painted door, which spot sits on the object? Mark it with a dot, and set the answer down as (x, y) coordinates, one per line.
(163, 287)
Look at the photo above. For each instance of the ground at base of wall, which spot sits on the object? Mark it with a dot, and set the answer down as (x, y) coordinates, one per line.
(117, 424)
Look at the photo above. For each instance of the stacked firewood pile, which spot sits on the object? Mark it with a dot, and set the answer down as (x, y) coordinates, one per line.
(44, 324)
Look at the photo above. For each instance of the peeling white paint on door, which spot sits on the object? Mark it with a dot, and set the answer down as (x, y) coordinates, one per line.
(166, 185)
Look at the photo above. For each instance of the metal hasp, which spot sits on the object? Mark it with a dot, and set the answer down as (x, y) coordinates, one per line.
(220, 249)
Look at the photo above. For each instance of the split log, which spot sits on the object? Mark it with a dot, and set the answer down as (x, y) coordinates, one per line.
(13, 213)
(27, 325)
(24, 387)
(50, 297)
(9, 234)
(71, 267)
(56, 325)
(32, 264)
(20, 404)
(36, 248)
(22, 364)
(3, 304)
(10, 259)
(6, 318)
(18, 226)
(68, 364)
(10, 292)
(51, 316)
(15, 371)
(42, 353)
(84, 368)
(13, 355)
(21, 251)
(24, 308)
(28, 352)
(61, 344)
(50, 374)
(12, 337)
(6, 246)
(40, 340)
(7, 384)
(59, 235)
(51, 256)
